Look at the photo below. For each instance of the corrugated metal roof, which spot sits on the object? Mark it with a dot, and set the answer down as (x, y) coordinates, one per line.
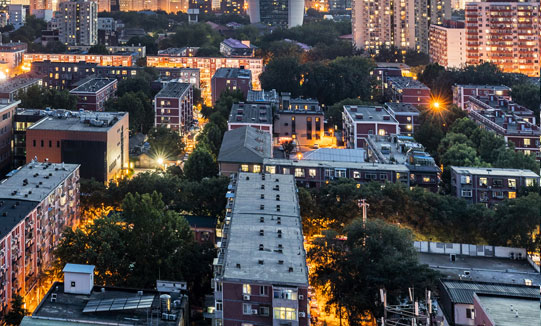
(462, 291)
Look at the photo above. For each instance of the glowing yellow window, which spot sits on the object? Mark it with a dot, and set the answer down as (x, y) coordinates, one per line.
(512, 194)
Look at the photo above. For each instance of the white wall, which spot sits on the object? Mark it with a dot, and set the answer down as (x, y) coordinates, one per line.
(460, 314)
(83, 283)
(468, 249)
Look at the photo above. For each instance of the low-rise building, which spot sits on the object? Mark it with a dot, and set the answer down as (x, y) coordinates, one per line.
(407, 90)
(361, 121)
(92, 95)
(173, 107)
(462, 92)
(11, 87)
(407, 116)
(244, 149)
(116, 60)
(98, 141)
(203, 228)
(37, 202)
(258, 116)
(490, 185)
(505, 310)
(137, 51)
(232, 79)
(300, 120)
(447, 44)
(260, 274)
(11, 55)
(7, 111)
(235, 48)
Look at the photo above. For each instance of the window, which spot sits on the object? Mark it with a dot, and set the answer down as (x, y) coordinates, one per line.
(285, 313)
(72, 284)
(219, 305)
(257, 168)
(356, 175)
(287, 294)
(244, 168)
(328, 173)
(246, 309)
(246, 289)
(370, 176)
(512, 195)
(465, 179)
(34, 143)
(497, 194)
(530, 182)
(483, 181)
(383, 176)
(512, 183)
(312, 173)
(381, 132)
(497, 182)
(426, 179)
(466, 193)
(264, 310)
(286, 171)
(470, 313)
(41, 143)
(50, 143)
(270, 169)
(263, 290)
(526, 141)
(219, 286)
(340, 173)
(299, 172)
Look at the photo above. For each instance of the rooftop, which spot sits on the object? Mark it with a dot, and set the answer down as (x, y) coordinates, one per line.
(398, 149)
(494, 172)
(195, 221)
(173, 90)
(262, 96)
(492, 87)
(251, 113)
(245, 145)
(12, 47)
(523, 311)
(482, 269)
(94, 85)
(398, 65)
(233, 73)
(302, 105)
(337, 164)
(368, 114)
(462, 291)
(77, 121)
(336, 155)
(74, 309)
(401, 107)
(78, 268)
(406, 83)
(271, 251)
(233, 43)
(13, 211)
(17, 83)
(35, 181)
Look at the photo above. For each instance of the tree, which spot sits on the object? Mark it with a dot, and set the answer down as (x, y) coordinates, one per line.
(56, 47)
(17, 312)
(282, 74)
(509, 158)
(165, 143)
(200, 164)
(38, 97)
(529, 95)
(351, 272)
(211, 138)
(98, 49)
(333, 114)
(139, 108)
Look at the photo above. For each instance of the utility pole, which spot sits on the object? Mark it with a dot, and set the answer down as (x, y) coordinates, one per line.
(364, 206)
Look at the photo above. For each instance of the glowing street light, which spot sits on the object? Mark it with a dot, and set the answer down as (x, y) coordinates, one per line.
(160, 161)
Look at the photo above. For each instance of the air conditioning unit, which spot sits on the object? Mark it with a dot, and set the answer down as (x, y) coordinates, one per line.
(246, 297)
(172, 317)
(301, 297)
(254, 311)
(302, 314)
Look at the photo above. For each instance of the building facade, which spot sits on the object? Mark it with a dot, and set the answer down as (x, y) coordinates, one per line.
(173, 107)
(231, 79)
(114, 60)
(504, 33)
(461, 93)
(490, 185)
(11, 55)
(7, 111)
(9, 89)
(286, 13)
(407, 116)
(16, 15)
(235, 48)
(77, 22)
(448, 44)
(92, 95)
(361, 121)
(40, 200)
(407, 90)
(98, 141)
(299, 119)
(260, 274)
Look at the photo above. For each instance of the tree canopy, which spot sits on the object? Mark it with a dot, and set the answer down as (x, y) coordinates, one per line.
(37, 97)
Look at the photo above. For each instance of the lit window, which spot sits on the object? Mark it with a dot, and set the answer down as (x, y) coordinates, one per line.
(257, 168)
(512, 183)
(285, 313)
(512, 195)
(530, 182)
(312, 172)
(246, 289)
(526, 141)
(299, 172)
(244, 168)
(270, 169)
(426, 179)
(381, 132)
(483, 181)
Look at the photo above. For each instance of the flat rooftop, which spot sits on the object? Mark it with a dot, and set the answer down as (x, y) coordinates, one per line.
(94, 85)
(35, 181)
(463, 291)
(336, 155)
(336, 165)
(283, 259)
(482, 269)
(17, 83)
(401, 107)
(233, 73)
(303, 105)
(493, 87)
(12, 212)
(524, 312)
(77, 121)
(495, 172)
(251, 113)
(233, 43)
(173, 90)
(68, 308)
(368, 114)
(262, 96)
(406, 83)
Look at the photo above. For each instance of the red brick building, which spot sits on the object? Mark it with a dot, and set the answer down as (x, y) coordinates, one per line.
(361, 121)
(461, 92)
(173, 106)
(258, 116)
(92, 95)
(116, 60)
(7, 111)
(231, 79)
(407, 116)
(407, 90)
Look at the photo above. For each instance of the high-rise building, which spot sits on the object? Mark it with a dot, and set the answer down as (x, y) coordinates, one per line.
(16, 15)
(504, 33)
(173, 107)
(288, 13)
(403, 24)
(77, 22)
(448, 44)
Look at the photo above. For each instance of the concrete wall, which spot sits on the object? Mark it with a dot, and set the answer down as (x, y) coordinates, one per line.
(83, 283)
(468, 249)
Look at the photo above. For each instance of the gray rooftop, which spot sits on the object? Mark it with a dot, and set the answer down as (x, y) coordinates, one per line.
(283, 259)
(462, 291)
(12, 212)
(369, 114)
(35, 181)
(251, 113)
(173, 90)
(94, 85)
(406, 83)
(262, 96)
(525, 311)
(79, 268)
(17, 83)
(336, 155)
(245, 145)
(233, 73)
(337, 165)
(494, 172)
(493, 87)
(85, 121)
(398, 108)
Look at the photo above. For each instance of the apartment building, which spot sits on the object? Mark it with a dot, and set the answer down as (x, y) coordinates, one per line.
(231, 79)
(207, 67)
(98, 141)
(92, 95)
(114, 60)
(361, 121)
(448, 44)
(7, 111)
(232, 7)
(407, 90)
(77, 22)
(138, 51)
(258, 116)
(260, 274)
(490, 185)
(37, 202)
(235, 48)
(173, 107)
(505, 33)
(513, 122)
(282, 13)
(11, 55)
(11, 87)
(461, 93)
(407, 116)
(16, 15)
(22, 120)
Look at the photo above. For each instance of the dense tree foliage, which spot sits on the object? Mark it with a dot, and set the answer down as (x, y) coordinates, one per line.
(37, 97)
(150, 22)
(393, 54)
(200, 164)
(139, 107)
(351, 272)
(17, 312)
(165, 143)
(29, 33)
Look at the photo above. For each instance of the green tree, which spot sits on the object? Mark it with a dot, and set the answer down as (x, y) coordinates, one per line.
(211, 138)
(200, 164)
(509, 158)
(282, 74)
(351, 272)
(56, 47)
(529, 95)
(38, 97)
(139, 108)
(98, 49)
(17, 312)
(165, 142)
